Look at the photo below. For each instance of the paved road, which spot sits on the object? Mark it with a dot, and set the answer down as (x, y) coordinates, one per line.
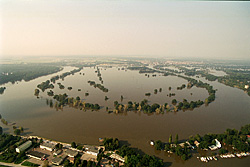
(10, 164)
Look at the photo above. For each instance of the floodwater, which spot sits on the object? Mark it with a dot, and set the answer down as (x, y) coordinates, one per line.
(231, 109)
(217, 72)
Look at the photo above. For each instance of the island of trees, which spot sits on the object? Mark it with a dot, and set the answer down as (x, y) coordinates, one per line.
(45, 85)
(63, 99)
(101, 87)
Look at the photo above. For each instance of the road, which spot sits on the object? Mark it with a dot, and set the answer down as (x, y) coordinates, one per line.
(10, 164)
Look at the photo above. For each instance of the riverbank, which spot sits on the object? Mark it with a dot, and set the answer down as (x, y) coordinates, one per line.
(41, 151)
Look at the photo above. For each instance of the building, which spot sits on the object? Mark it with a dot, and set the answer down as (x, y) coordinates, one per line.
(57, 161)
(246, 86)
(216, 146)
(217, 143)
(47, 146)
(36, 155)
(212, 147)
(91, 150)
(196, 143)
(117, 157)
(71, 153)
(24, 146)
(58, 152)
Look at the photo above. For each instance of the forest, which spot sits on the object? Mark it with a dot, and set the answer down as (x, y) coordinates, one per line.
(17, 72)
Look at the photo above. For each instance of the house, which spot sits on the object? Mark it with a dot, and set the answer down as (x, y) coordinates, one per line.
(246, 86)
(216, 146)
(91, 150)
(57, 161)
(212, 147)
(217, 143)
(117, 157)
(47, 146)
(182, 145)
(24, 146)
(36, 155)
(71, 153)
(196, 143)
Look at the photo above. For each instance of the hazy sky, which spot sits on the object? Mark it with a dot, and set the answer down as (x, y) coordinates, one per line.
(134, 28)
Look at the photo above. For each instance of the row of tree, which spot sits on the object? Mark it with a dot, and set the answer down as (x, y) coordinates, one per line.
(101, 87)
(63, 99)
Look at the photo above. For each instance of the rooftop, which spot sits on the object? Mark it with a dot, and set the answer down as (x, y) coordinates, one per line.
(71, 152)
(24, 145)
(36, 154)
(49, 145)
(91, 148)
(57, 160)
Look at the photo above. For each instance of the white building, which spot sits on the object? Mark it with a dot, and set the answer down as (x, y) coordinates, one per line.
(24, 146)
(91, 150)
(47, 146)
(217, 143)
(246, 86)
(216, 146)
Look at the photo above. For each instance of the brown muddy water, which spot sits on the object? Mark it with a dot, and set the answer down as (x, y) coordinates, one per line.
(231, 109)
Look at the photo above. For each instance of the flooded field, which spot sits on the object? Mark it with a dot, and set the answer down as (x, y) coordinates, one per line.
(229, 110)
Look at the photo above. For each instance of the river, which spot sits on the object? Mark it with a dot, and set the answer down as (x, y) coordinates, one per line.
(231, 109)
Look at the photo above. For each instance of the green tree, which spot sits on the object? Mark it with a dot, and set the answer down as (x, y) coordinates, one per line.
(158, 145)
(176, 139)
(17, 131)
(1, 130)
(170, 139)
(184, 157)
(155, 91)
(66, 163)
(90, 163)
(36, 92)
(115, 103)
(174, 101)
(73, 144)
